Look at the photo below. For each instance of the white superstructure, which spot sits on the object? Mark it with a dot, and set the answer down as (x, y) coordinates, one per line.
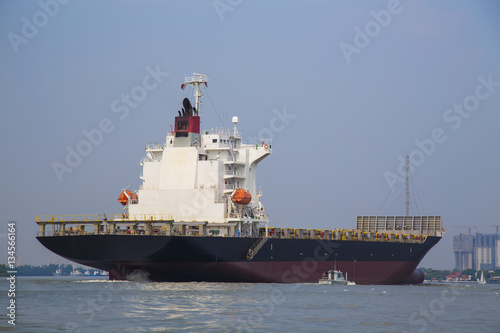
(197, 177)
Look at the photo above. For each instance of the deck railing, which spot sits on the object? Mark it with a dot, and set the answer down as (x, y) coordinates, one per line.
(75, 219)
(67, 225)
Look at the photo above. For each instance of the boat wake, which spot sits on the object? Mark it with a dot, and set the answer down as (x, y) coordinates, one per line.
(138, 276)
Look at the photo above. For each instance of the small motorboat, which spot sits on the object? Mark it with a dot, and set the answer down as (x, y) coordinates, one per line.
(333, 277)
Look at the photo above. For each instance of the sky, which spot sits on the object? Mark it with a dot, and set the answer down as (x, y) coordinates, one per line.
(345, 89)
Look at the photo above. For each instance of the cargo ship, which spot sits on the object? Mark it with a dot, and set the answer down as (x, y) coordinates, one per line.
(198, 216)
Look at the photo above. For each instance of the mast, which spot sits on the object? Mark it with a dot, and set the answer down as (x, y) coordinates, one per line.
(407, 187)
(196, 81)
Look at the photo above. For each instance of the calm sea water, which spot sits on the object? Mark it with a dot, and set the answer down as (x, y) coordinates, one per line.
(78, 304)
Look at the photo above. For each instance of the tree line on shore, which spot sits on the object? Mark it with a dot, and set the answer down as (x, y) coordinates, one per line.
(433, 274)
(45, 270)
(52, 269)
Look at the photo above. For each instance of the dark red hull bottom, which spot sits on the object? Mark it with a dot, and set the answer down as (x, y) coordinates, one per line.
(361, 272)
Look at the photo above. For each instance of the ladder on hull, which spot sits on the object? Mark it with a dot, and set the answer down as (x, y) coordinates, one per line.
(256, 247)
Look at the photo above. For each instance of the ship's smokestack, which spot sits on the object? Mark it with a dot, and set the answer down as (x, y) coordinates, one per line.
(187, 105)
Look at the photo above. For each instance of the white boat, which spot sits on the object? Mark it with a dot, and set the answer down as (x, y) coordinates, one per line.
(333, 277)
(482, 280)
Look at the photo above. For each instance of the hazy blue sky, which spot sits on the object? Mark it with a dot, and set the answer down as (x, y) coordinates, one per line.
(359, 89)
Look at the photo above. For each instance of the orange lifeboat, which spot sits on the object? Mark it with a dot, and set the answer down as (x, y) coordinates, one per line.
(241, 197)
(123, 199)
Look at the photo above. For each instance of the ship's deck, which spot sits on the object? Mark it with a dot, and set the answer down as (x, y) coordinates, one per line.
(400, 231)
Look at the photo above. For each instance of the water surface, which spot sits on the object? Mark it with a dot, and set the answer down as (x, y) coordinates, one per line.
(89, 304)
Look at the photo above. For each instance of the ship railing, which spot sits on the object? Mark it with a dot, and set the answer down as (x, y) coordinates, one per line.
(82, 219)
(234, 173)
(68, 218)
(67, 232)
(343, 235)
(219, 130)
(154, 146)
(149, 223)
(268, 142)
(75, 231)
(139, 217)
(68, 225)
(262, 143)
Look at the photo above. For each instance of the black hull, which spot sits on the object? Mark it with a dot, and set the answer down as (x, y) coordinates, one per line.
(223, 259)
